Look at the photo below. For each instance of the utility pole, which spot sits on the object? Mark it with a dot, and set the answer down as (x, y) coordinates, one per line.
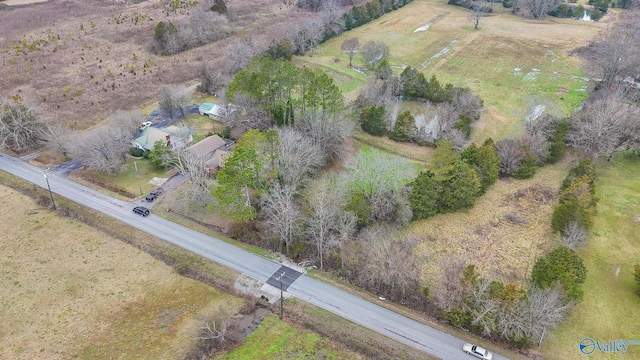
(44, 172)
(281, 299)
(135, 164)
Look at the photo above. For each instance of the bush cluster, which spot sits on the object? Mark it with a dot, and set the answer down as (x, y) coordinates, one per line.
(577, 202)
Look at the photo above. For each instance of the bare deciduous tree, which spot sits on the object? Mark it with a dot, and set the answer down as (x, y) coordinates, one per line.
(299, 158)
(605, 125)
(59, 138)
(451, 291)
(173, 98)
(240, 53)
(483, 307)
(214, 76)
(305, 36)
(391, 207)
(104, 147)
(281, 215)
(252, 115)
(538, 9)
(465, 102)
(21, 126)
(374, 51)
(380, 268)
(475, 17)
(532, 316)
(199, 180)
(350, 47)
(574, 235)
(331, 18)
(538, 131)
(613, 52)
(327, 131)
(329, 226)
(511, 155)
(438, 122)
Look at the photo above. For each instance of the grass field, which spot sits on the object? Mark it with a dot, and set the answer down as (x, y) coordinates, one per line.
(610, 310)
(127, 181)
(512, 63)
(68, 290)
(500, 248)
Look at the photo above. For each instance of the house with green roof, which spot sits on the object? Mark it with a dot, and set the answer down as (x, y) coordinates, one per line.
(171, 136)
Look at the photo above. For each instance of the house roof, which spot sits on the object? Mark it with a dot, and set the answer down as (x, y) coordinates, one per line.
(206, 107)
(206, 146)
(217, 160)
(149, 136)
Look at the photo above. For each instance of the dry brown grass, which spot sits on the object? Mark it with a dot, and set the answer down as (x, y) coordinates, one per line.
(82, 77)
(70, 291)
(503, 234)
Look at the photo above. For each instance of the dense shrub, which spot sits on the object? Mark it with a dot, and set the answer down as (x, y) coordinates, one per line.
(136, 152)
(451, 185)
(485, 161)
(361, 208)
(561, 266)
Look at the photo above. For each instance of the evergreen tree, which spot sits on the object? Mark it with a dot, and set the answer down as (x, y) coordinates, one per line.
(558, 145)
(373, 121)
(404, 128)
(424, 196)
(486, 162)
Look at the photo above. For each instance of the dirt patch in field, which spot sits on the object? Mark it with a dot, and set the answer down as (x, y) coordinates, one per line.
(70, 291)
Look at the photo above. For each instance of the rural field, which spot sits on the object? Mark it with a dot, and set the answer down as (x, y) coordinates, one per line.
(610, 309)
(510, 62)
(83, 60)
(68, 290)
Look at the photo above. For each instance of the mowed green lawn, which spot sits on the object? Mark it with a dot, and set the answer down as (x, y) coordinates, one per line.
(610, 310)
(512, 63)
(276, 339)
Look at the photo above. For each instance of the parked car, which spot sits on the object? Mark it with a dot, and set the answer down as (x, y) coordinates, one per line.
(145, 125)
(154, 194)
(477, 351)
(141, 210)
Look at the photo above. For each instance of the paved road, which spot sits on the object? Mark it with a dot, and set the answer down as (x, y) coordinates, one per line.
(339, 302)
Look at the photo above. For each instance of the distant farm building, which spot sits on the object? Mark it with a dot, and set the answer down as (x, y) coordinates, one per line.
(219, 112)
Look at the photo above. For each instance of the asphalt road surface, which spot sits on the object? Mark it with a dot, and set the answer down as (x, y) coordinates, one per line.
(339, 302)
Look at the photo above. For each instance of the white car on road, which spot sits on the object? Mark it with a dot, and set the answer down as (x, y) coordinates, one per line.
(477, 351)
